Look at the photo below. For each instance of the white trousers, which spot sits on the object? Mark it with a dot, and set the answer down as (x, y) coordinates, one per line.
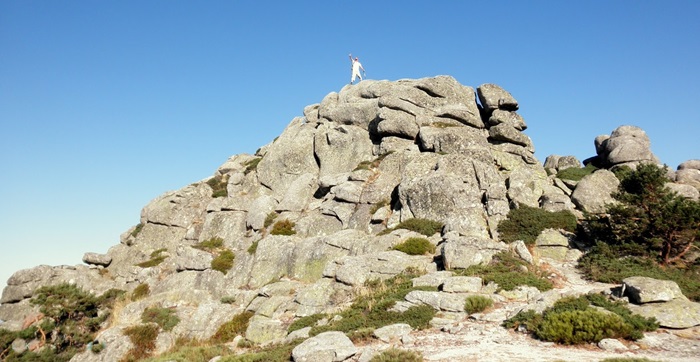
(355, 74)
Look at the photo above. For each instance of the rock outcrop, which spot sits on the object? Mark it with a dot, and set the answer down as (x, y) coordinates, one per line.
(358, 163)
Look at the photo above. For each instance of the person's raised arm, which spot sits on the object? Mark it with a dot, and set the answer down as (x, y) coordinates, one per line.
(350, 56)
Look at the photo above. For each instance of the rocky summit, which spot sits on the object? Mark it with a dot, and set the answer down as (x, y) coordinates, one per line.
(301, 226)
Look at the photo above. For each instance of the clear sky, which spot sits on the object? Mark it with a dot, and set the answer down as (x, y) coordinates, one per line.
(104, 105)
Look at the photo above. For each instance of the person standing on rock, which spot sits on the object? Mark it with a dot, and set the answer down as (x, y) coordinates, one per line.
(356, 66)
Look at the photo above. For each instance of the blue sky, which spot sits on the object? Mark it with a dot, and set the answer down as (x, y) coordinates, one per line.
(104, 105)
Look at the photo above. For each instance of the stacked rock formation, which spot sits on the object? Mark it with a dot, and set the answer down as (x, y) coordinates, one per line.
(359, 162)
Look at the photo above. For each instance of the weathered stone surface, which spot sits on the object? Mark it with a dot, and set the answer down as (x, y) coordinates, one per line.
(396, 123)
(462, 284)
(526, 184)
(687, 191)
(289, 157)
(688, 176)
(594, 191)
(558, 163)
(432, 279)
(339, 148)
(612, 345)
(677, 313)
(552, 244)
(507, 133)
(626, 144)
(462, 252)
(188, 258)
(642, 290)
(449, 302)
(328, 346)
(493, 97)
(465, 140)
(384, 265)
(511, 118)
(522, 251)
(178, 208)
(97, 259)
(392, 333)
(263, 329)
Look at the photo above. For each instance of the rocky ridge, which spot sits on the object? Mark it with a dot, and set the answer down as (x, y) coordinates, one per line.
(359, 162)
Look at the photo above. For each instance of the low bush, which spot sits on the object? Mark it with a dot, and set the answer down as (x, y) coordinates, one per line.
(283, 227)
(218, 186)
(143, 337)
(378, 206)
(253, 247)
(251, 165)
(477, 304)
(394, 354)
(526, 223)
(581, 326)
(269, 353)
(508, 272)
(157, 257)
(421, 226)
(137, 229)
(191, 352)
(142, 290)
(368, 165)
(576, 173)
(223, 262)
(163, 317)
(303, 322)
(210, 244)
(235, 327)
(371, 310)
(416, 246)
(270, 218)
(575, 321)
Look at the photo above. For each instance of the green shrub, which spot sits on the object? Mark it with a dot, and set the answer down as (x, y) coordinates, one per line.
(526, 223)
(576, 173)
(443, 125)
(210, 244)
(184, 351)
(573, 321)
(507, 271)
(142, 290)
(303, 322)
(251, 165)
(137, 230)
(378, 206)
(580, 327)
(270, 218)
(253, 247)
(270, 353)
(163, 317)
(283, 227)
(157, 257)
(371, 309)
(218, 186)
(235, 327)
(416, 246)
(421, 226)
(71, 318)
(367, 165)
(397, 355)
(477, 304)
(223, 262)
(143, 337)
